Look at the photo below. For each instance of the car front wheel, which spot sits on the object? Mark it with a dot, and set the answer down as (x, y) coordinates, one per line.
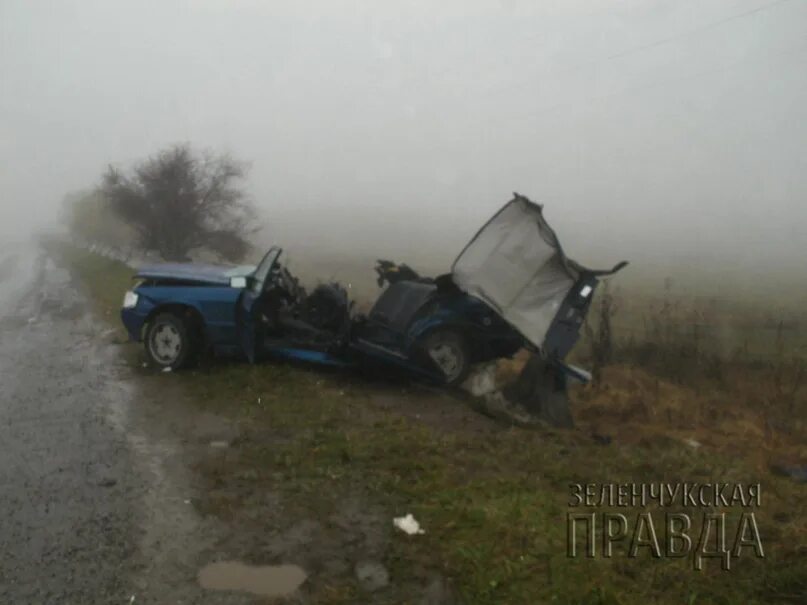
(448, 351)
(168, 342)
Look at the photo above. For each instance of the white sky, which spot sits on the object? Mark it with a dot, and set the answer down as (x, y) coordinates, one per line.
(652, 129)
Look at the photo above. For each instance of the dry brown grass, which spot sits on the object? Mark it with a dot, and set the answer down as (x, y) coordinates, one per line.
(633, 404)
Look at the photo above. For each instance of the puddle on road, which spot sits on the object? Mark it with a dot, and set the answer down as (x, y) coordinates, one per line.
(267, 580)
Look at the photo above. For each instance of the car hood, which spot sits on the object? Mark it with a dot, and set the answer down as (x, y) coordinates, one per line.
(218, 275)
(517, 266)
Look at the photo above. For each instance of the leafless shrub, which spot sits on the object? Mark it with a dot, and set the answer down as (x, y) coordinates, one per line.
(678, 340)
(179, 200)
(601, 341)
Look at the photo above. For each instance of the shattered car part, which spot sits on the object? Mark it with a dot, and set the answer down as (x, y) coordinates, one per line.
(541, 390)
(512, 286)
(516, 264)
(390, 273)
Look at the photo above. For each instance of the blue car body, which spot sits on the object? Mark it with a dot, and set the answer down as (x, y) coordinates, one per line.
(511, 287)
(205, 295)
(201, 290)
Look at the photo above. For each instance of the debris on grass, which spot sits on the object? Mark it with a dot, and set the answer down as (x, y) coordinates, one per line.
(408, 524)
(166, 370)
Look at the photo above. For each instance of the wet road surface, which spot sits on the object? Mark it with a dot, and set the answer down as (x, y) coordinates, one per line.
(64, 472)
(94, 509)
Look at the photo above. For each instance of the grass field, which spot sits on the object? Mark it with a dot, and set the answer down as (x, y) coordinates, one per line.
(493, 498)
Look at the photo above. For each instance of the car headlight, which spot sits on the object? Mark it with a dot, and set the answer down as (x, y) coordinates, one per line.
(130, 300)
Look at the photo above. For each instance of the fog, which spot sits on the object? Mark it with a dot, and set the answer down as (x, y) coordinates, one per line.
(660, 131)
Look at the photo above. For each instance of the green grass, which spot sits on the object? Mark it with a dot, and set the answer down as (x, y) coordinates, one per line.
(105, 279)
(493, 502)
(494, 505)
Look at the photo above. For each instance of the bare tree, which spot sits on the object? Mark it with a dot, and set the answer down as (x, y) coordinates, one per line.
(179, 200)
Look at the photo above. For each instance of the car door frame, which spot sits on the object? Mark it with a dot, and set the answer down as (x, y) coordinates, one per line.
(247, 305)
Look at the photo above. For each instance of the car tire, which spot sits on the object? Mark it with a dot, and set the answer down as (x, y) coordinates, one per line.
(169, 342)
(449, 351)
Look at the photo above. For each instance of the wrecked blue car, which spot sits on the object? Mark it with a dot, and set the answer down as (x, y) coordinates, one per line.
(511, 287)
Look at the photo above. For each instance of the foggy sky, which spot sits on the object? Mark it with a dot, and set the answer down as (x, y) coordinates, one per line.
(653, 130)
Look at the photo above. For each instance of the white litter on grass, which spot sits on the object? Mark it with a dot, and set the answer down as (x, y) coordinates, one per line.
(166, 370)
(145, 365)
(692, 443)
(408, 524)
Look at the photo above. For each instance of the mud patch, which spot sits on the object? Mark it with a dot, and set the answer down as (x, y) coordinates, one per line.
(267, 580)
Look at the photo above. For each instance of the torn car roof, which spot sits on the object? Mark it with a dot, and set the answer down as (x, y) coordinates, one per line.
(516, 265)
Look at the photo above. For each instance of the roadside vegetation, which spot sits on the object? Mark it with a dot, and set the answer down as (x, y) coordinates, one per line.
(346, 453)
(104, 279)
(173, 204)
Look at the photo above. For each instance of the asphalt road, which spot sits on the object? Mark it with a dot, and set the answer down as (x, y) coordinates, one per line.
(94, 509)
(67, 491)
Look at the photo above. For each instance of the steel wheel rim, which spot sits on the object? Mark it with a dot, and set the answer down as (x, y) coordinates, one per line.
(165, 343)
